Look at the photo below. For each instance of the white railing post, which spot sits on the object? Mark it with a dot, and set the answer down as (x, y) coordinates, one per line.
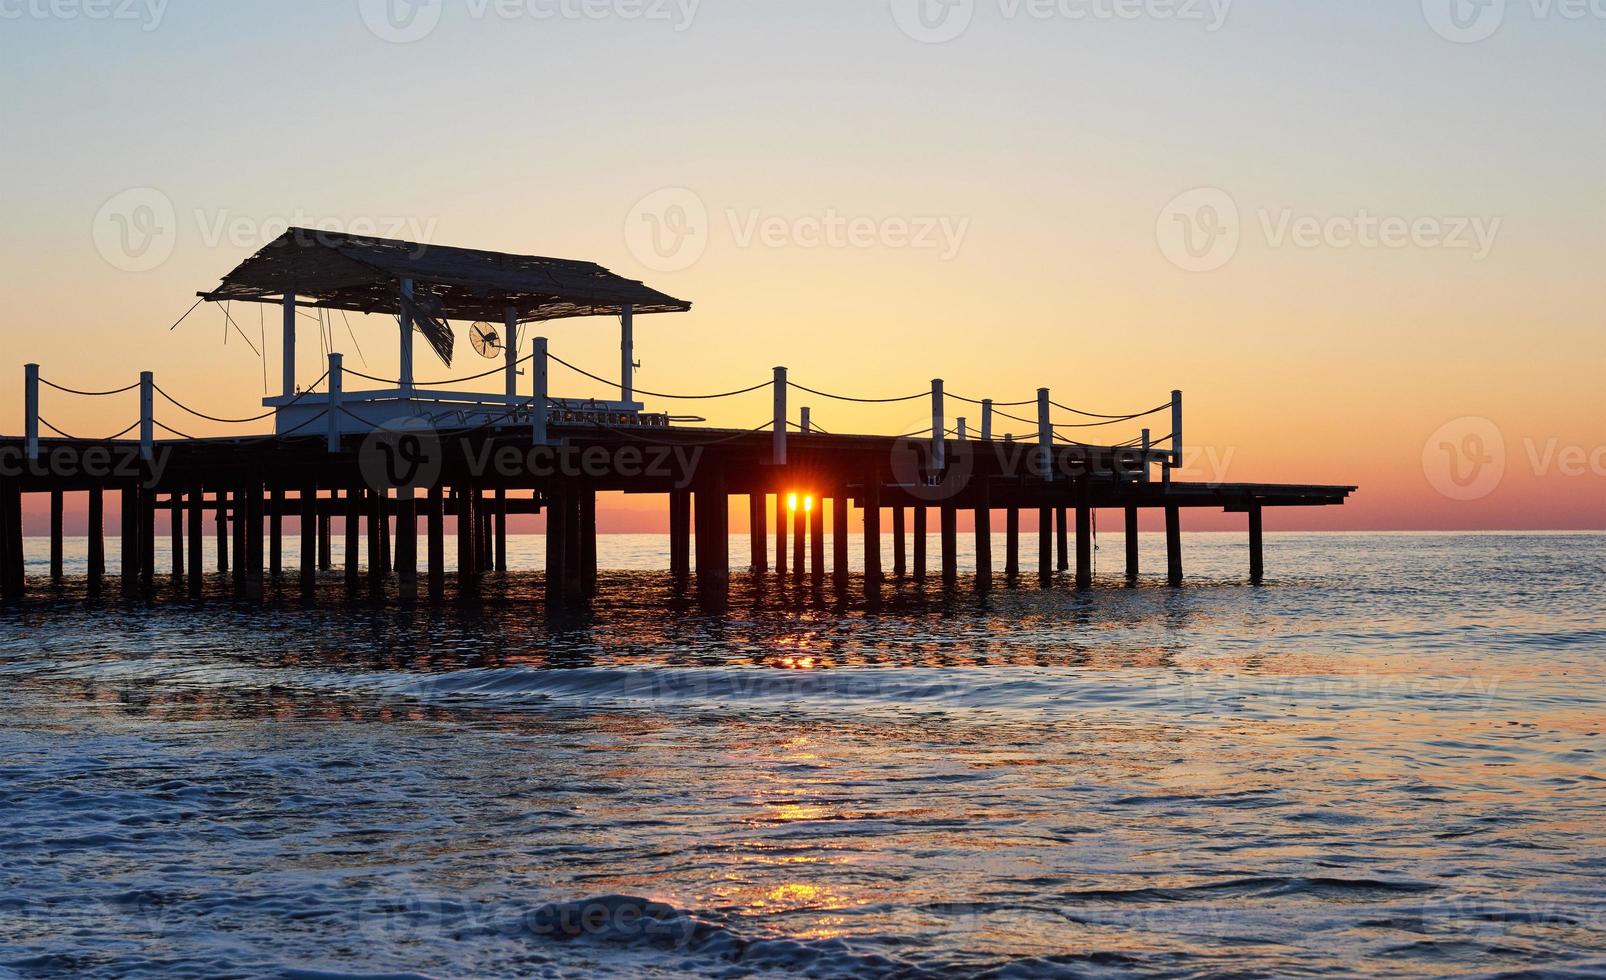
(289, 343)
(510, 352)
(147, 418)
(959, 429)
(405, 374)
(337, 391)
(986, 420)
(1176, 429)
(1147, 444)
(31, 409)
(627, 353)
(1045, 435)
(538, 407)
(805, 423)
(779, 453)
(939, 430)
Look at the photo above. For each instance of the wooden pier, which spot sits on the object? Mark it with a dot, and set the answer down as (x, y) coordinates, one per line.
(394, 464)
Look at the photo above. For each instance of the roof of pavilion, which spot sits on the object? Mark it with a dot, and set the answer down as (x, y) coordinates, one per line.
(340, 271)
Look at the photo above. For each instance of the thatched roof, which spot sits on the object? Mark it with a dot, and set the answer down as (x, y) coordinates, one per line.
(339, 271)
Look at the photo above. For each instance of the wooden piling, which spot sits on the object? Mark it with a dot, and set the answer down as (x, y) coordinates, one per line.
(501, 529)
(984, 538)
(197, 522)
(680, 534)
(799, 518)
(382, 508)
(326, 548)
(276, 511)
(713, 539)
(468, 561)
(221, 522)
(839, 543)
(353, 530)
(253, 540)
(175, 529)
(1045, 546)
(1173, 545)
(557, 539)
(128, 530)
(147, 539)
(1131, 545)
(1062, 539)
(309, 539)
(758, 533)
(588, 541)
(574, 547)
(1257, 556)
(13, 569)
(1012, 544)
(950, 545)
(57, 544)
(376, 554)
(97, 539)
(872, 538)
(780, 534)
(920, 543)
(900, 564)
(407, 544)
(237, 536)
(1084, 543)
(817, 543)
(437, 542)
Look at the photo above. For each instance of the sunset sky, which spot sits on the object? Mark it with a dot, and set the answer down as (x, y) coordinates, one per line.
(1411, 248)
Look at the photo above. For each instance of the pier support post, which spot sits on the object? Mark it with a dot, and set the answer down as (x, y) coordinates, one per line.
(309, 539)
(326, 548)
(680, 534)
(1012, 545)
(197, 518)
(920, 543)
(800, 520)
(237, 535)
(1062, 547)
(221, 530)
(557, 539)
(128, 554)
(588, 541)
(353, 528)
(376, 557)
(1173, 545)
(984, 537)
(872, 538)
(1045, 546)
(816, 516)
(387, 560)
(900, 563)
(501, 529)
(778, 448)
(276, 509)
(97, 539)
(713, 539)
(147, 539)
(1257, 557)
(57, 549)
(13, 571)
(780, 534)
(468, 563)
(1084, 541)
(407, 544)
(758, 533)
(950, 545)
(437, 542)
(839, 543)
(253, 540)
(1131, 545)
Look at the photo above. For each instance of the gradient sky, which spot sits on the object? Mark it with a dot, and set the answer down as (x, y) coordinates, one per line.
(1056, 142)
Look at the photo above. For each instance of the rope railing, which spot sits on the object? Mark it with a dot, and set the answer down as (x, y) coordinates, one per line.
(45, 422)
(861, 401)
(657, 394)
(88, 394)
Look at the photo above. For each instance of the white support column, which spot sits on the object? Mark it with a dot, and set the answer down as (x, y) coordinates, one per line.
(778, 455)
(510, 352)
(960, 434)
(1147, 444)
(289, 344)
(147, 418)
(337, 389)
(986, 420)
(1045, 436)
(538, 406)
(30, 400)
(807, 424)
(939, 430)
(627, 354)
(1176, 429)
(406, 373)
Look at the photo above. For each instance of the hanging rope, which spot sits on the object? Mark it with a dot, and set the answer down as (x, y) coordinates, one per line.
(213, 418)
(174, 432)
(437, 384)
(64, 435)
(88, 394)
(1112, 418)
(657, 394)
(861, 401)
(975, 401)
